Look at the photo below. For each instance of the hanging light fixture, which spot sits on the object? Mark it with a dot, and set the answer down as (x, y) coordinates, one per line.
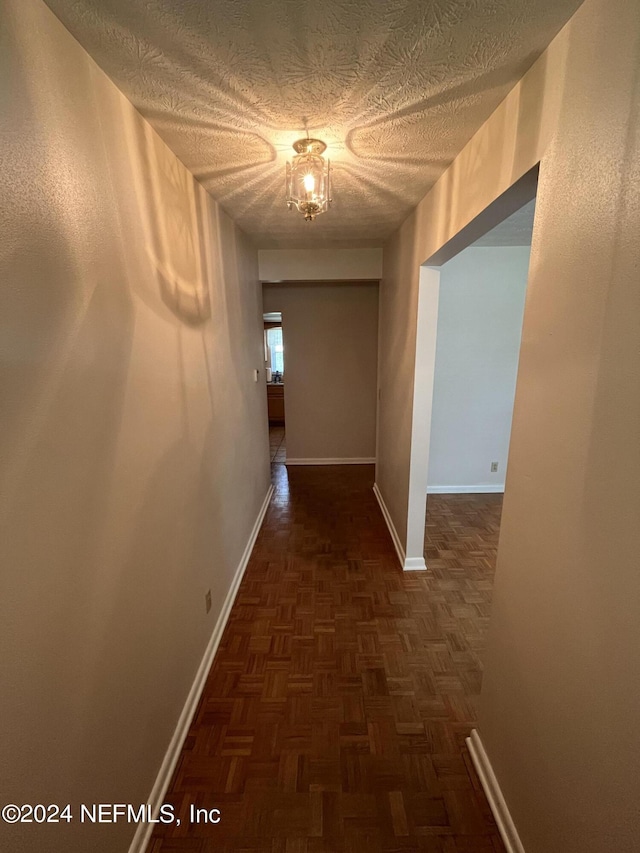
(309, 179)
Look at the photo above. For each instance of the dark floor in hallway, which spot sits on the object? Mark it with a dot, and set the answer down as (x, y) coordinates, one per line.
(335, 714)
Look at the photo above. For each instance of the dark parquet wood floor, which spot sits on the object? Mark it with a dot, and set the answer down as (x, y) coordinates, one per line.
(334, 716)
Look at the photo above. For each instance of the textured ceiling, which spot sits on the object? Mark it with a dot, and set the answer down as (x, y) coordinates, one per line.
(395, 87)
(516, 230)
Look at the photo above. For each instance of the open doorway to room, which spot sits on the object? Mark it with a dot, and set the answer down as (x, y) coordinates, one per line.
(329, 369)
(479, 327)
(274, 371)
(470, 315)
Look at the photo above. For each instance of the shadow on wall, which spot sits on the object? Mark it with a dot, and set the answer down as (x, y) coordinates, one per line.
(184, 235)
(168, 196)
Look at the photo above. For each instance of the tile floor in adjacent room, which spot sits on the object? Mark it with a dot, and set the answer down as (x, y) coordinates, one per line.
(335, 713)
(277, 444)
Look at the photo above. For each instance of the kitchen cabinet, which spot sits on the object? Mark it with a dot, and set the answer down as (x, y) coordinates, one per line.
(275, 402)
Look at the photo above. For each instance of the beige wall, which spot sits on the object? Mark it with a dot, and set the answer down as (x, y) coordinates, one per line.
(320, 264)
(330, 339)
(134, 455)
(480, 307)
(560, 703)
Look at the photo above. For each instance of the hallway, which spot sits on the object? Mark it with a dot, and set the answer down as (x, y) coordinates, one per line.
(335, 713)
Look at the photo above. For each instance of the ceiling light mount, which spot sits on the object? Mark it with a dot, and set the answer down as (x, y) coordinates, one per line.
(309, 146)
(308, 179)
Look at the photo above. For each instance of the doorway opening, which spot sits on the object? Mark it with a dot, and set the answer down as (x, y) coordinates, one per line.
(479, 328)
(470, 316)
(274, 371)
(330, 353)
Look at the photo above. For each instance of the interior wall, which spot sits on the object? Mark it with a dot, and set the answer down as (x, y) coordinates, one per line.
(481, 304)
(320, 264)
(134, 456)
(559, 705)
(330, 336)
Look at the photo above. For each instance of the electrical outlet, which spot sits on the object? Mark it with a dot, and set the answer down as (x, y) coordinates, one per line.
(494, 467)
(207, 600)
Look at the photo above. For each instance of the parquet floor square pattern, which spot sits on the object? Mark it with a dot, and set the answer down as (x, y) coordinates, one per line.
(277, 444)
(333, 719)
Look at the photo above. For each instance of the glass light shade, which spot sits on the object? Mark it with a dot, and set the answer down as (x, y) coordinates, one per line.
(308, 186)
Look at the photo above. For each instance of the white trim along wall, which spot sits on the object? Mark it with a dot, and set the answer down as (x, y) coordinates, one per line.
(161, 784)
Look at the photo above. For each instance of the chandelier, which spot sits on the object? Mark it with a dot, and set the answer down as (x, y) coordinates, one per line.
(308, 185)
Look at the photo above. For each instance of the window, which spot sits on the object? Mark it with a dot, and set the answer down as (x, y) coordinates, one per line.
(275, 349)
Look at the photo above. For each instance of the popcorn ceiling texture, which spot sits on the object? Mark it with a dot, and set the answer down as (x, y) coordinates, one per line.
(395, 89)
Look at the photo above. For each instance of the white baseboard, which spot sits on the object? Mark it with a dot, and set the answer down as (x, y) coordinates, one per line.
(392, 529)
(409, 564)
(156, 797)
(491, 788)
(486, 489)
(350, 460)
(414, 564)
